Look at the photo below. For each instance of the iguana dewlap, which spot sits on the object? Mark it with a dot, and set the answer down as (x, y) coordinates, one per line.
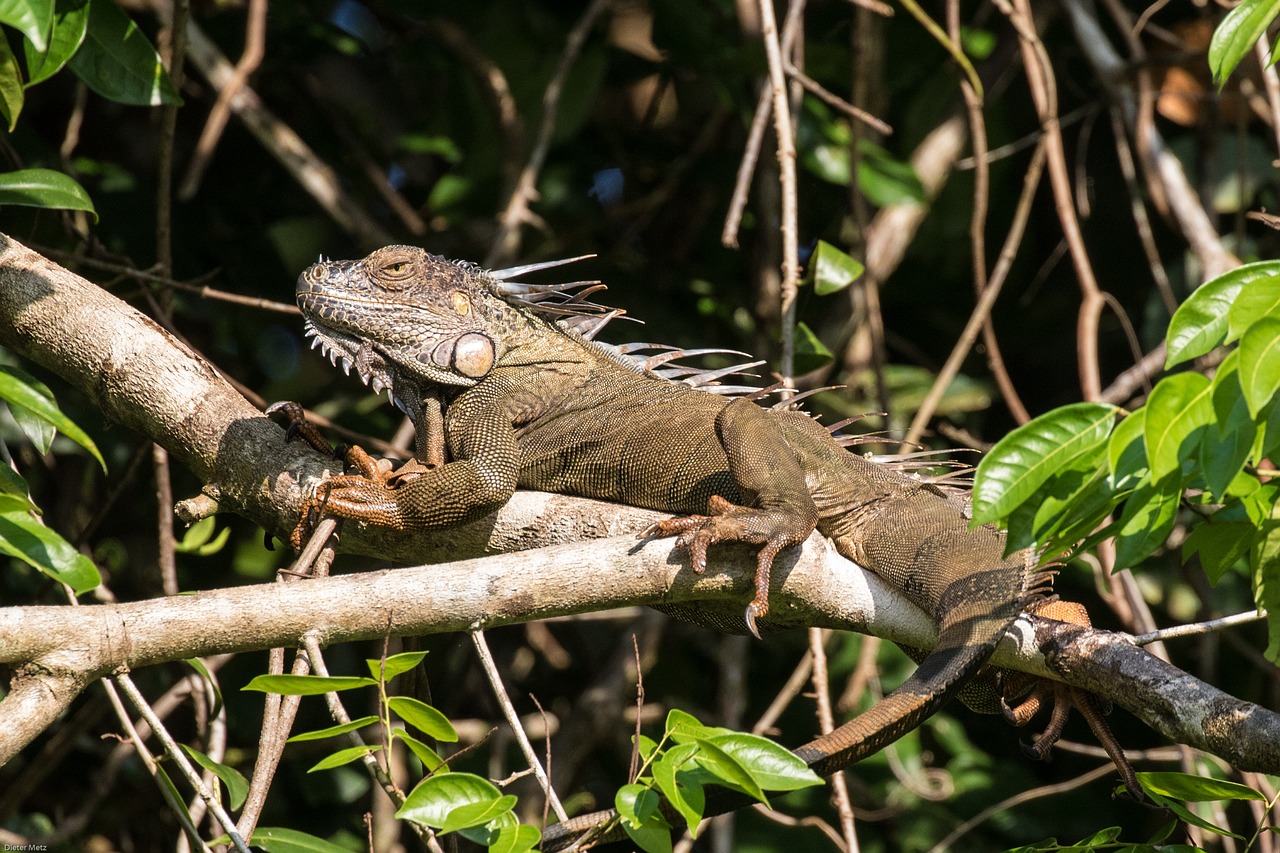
(503, 372)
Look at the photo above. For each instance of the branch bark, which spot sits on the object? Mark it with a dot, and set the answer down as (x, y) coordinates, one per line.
(143, 378)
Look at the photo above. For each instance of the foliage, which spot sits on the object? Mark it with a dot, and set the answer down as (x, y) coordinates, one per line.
(1196, 441)
(398, 104)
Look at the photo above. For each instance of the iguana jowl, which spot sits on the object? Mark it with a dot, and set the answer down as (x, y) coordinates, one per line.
(526, 400)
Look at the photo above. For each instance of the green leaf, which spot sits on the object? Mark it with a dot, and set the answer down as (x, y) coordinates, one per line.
(1260, 363)
(343, 756)
(13, 486)
(70, 22)
(334, 731)
(306, 685)
(728, 769)
(20, 389)
(515, 839)
(650, 837)
(1024, 459)
(1177, 407)
(237, 785)
(424, 718)
(1127, 450)
(43, 188)
(635, 803)
(1237, 34)
(831, 269)
(886, 180)
(1186, 815)
(1265, 561)
(32, 18)
(395, 665)
(203, 672)
(1147, 520)
(436, 796)
(42, 548)
(1195, 789)
(1202, 322)
(119, 63)
(1032, 522)
(11, 94)
(1220, 545)
(773, 767)
(684, 727)
(1259, 298)
(1225, 449)
(810, 352)
(477, 814)
(681, 788)
(274, 839)
(641, 820)
(196, 539)
(431, 760)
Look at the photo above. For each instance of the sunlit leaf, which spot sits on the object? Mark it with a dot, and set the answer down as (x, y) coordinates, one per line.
(1265, 560)
(424, 718)
(43, 188)
(1220, 544)
(1202, 322)
(274, 839)
(306, 685)
(1260, 363)
(681, 788)
(333, 731)
(773, 767)
(343, 756)
(431, 760)
(70, 22)
(43, 548)
(32, 18)
(118, 62)
(728, 769)
(516, 839)
(11, 94)
(1237, 34)
(237, 785)
(436, 796)
(1259, 298)
(1024, 459)
(1178, 406)
(831, 269)
(394, 665)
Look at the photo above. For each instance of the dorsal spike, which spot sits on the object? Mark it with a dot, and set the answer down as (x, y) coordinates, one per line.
(511, 272)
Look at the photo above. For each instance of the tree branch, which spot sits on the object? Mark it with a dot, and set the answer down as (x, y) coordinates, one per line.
(142, 377)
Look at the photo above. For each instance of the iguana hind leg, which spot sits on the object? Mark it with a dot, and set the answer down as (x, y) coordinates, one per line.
(779, 510)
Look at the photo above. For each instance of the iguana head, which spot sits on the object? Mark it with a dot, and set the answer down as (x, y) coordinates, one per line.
(402, 316)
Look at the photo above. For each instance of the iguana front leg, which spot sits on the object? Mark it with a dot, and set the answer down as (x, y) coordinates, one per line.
(780, 511)
(426, 491)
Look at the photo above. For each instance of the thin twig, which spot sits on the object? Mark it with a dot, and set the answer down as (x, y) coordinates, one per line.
(784, 130)
(516, 211)
(826, 724)
(311, 642)
(985, 303)
(255, 48)
(180, 759)
(1017, 800)
(1197, 628)
(513, 720)
(755, 137)
(813, 87)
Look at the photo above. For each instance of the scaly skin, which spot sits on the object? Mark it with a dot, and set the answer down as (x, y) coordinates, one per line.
(528, 404)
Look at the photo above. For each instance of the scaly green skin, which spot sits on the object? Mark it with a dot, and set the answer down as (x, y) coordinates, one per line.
(528, 404)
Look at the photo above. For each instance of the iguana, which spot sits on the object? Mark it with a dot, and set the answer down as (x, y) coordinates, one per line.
(508, 389)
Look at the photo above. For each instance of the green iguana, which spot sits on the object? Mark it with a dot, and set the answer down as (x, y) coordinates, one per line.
(508, 389)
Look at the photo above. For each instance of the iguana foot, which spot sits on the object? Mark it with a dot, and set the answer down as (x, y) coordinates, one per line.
(1065, 697)
(772, 530)
(367, 495)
